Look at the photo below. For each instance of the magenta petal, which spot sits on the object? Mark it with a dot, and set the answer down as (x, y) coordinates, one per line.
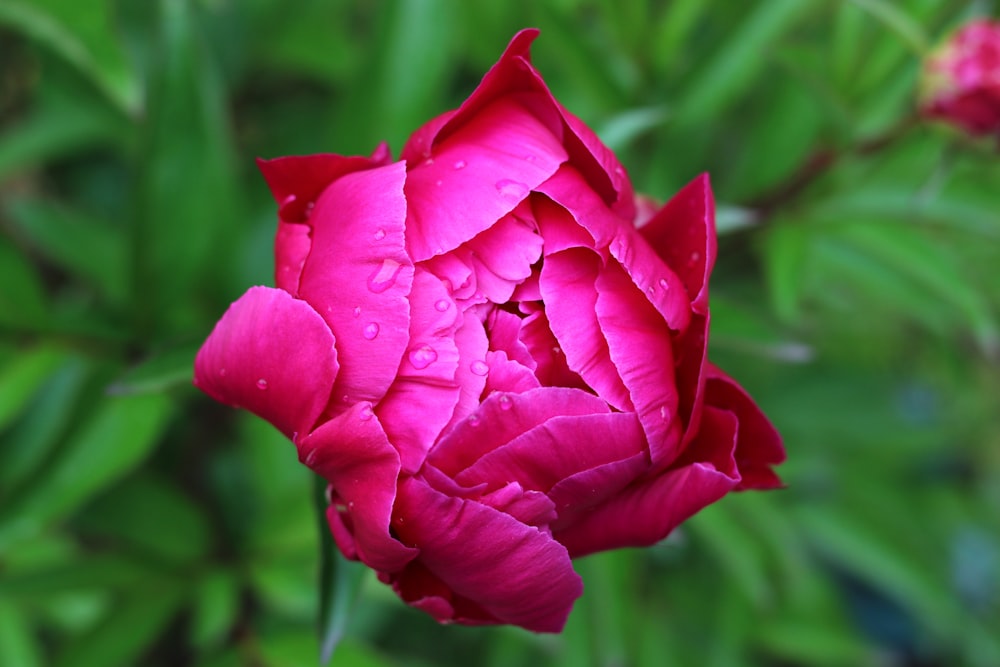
(291, 249)
(423, 396)
(352, 452)
(639, 344)
(647, 511)
(597, 162)
(683, 235)
(506, 375)
(569, 189)
(272, 355)
(473, 178)
(758, 446)
(652, 277)
(501, 418)
(358, 276)
(569, 291)
(516, 573)
(557, 448)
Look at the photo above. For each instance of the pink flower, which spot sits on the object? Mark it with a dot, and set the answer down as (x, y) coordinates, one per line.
(493, 367)
(961, 79)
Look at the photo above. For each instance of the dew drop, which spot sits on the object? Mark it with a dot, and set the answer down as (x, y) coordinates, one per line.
(366, 413)
(664, 413)
(664, 284)
(262, 383)
(310, 457)
(650, 290)
(512, 191)
(379, 234)
(441, 305)
(384, 276)
(429, 161)
(505, 402)
(438, 182)
(479, 367)
(695, 256)
(459, 164)
(357, 310)
(474, 420)
(422, 357)
(222, 372)
(370, 331)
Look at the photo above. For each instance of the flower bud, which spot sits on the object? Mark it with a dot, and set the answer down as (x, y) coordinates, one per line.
(961, 79)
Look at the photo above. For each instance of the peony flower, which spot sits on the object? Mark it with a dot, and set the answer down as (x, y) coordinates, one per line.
(493, 367)
(961, 79)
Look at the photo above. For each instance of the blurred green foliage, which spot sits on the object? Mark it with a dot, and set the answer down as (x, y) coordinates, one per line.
(857, 294)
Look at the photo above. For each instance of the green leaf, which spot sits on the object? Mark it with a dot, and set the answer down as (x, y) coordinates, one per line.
(151, 516)
(81, 32)
(120, 433)
(736, 63)
(162, 372)
(216, 604)
(786, 254)
(340, 581)
(22, 300)
(21, 379)
(18, 645)
(133, 623)
(87, 248)
(898, 22)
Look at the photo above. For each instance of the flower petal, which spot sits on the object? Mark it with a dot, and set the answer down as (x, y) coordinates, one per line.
(515, 572)
(425, 391)
(357, 278)
(758, 445)
(273, 355)
(352, 452)
(639, 345)
(570, 296)
(474, 178)
(683, 235)
(501, 418)
(647, 511)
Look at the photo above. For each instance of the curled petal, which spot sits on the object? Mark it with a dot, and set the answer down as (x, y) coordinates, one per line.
(683, 235)
(513, 572)
(273, 355)
(648, 510)
(758, 445)
(352, 452)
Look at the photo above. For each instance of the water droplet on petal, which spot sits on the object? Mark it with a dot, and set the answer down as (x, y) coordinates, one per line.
(459, 164)
(422, 357)
(262, 383)
(357, 310)
(664, 413)
(384, 276)
(474, 420)
(664, 284)
(429, 160)
(222, 372)
(479, 367)
(512, 191)
(366, 413)
(438, 182)
(379, 234)
(695, 256)
(505, 402)
(650, 290)
(441, 305)
(370, 331)
(311, 457)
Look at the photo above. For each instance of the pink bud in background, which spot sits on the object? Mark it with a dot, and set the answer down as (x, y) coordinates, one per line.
(961, 79)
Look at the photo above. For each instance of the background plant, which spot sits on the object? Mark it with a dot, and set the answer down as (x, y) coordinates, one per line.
(856, 294)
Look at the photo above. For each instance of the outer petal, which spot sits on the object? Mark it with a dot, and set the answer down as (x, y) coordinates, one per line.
(758, 445)
(272, 355)
(352, 452)
(516, 573)
(646, 511)
(474, 178)
(357, 278)
(683, 234)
